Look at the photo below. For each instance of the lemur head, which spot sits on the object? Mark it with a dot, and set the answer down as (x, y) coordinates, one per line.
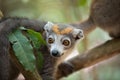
(61, 37)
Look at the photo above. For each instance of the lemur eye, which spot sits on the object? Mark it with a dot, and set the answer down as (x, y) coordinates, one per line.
(50, 40)
(66, 42)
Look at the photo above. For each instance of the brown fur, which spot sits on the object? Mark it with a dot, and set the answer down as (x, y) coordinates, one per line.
(61, 32)
(8, 71)
(106, 15)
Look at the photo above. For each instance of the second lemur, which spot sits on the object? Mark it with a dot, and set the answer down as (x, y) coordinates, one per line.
(104, 14)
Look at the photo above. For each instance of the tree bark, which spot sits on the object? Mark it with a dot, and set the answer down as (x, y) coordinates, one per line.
(97, 54)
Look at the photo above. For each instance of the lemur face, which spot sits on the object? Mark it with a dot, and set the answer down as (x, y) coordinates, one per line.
(61, 38)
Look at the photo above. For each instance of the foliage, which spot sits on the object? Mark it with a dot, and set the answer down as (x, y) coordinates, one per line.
(24, 47)
(37, 41)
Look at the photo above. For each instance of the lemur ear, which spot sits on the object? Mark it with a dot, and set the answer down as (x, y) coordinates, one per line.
(48, 26)
(78, 34)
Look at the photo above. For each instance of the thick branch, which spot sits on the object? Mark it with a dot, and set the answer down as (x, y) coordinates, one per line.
(97, 54)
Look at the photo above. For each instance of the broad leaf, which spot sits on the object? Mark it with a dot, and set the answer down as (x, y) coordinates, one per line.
(23, 49)
(36, 38)
(37, 41)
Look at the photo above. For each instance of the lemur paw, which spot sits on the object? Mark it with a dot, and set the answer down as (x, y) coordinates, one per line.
(63, 70)
(117, 35)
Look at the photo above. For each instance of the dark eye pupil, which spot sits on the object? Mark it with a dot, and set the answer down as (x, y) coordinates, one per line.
(50, 40)
(66, 42)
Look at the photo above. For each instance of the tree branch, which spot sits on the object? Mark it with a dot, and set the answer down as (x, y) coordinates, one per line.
(97, 54)
(89, 58)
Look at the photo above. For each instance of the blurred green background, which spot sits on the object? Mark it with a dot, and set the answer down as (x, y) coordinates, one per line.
(67, 11)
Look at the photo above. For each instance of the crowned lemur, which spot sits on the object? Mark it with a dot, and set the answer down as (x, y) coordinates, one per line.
(104, 13)
(60, 39)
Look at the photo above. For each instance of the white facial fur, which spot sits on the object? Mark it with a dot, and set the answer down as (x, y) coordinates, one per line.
(78, 33)
(57, 48)
(57, 45)
(48, 26)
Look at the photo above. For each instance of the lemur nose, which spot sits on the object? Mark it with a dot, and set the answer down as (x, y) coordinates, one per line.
(55, 53)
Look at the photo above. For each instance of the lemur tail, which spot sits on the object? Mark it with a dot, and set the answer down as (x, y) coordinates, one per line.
(87, 26)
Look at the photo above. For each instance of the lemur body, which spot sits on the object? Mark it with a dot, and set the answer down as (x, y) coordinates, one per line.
(104, 14)
(59, 37)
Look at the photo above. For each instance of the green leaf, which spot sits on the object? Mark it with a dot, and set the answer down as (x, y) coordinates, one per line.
(37, 41)
(36, 38)
(23, 49)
